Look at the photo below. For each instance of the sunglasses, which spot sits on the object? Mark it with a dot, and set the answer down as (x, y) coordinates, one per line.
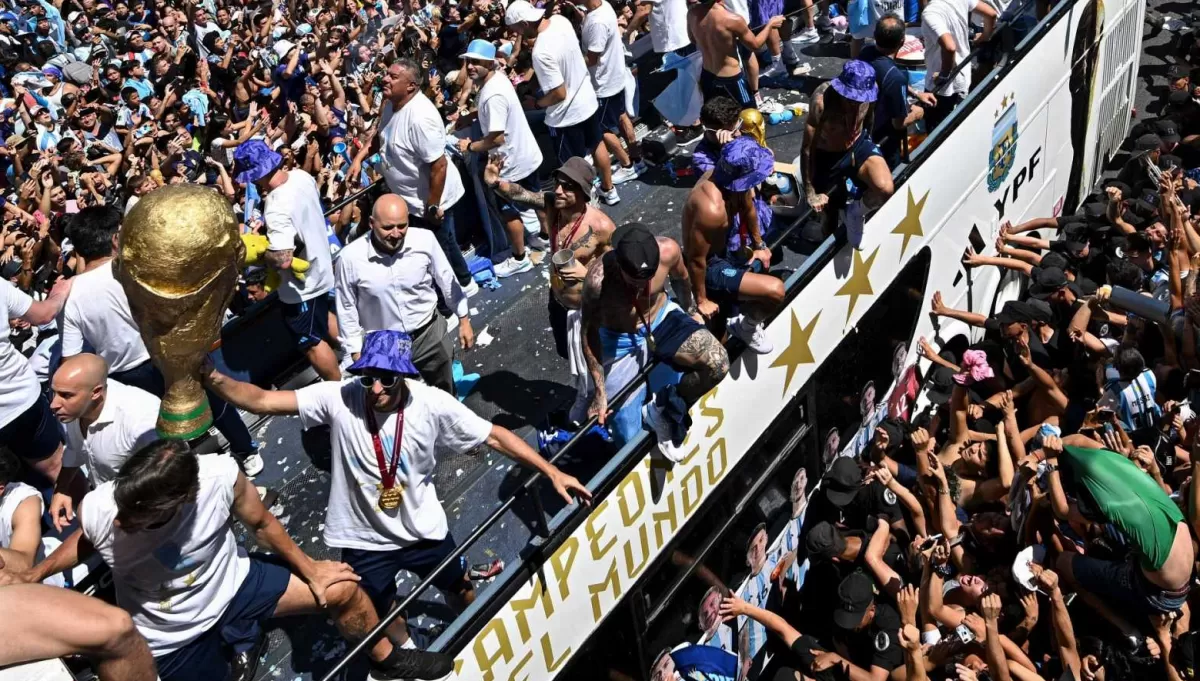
(388, 382)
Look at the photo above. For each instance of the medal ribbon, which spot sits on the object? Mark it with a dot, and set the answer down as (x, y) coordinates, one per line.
(387, 469)
(571, 235)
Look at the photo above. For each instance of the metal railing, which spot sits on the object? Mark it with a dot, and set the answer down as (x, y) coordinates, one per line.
(797, 282)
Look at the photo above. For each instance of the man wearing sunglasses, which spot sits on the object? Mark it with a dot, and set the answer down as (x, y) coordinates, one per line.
(383, 510)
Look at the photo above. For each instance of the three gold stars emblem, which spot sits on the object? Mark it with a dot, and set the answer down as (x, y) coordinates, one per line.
(797, 351)
(910, 226)
(859, 283)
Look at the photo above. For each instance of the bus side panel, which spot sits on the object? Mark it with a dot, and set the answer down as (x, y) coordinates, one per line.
(977, 175)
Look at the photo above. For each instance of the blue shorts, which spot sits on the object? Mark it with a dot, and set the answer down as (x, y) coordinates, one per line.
(378, 569)
(207, 657)
(832, 168)
(579, 140)
(722, 279)
(1121, 583)
(675, 327)
(509, 207)
(733, 87)
(610, 112)
(308, 321)
(35, 435)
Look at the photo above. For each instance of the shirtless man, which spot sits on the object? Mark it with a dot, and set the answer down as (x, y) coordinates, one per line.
(837, 146)
(723, 237)
(628, 320)
(717, 32)
(575, 225)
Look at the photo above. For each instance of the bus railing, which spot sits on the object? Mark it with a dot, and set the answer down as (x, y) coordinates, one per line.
(796, 283)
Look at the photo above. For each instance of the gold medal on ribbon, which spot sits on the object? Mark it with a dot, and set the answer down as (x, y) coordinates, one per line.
(390, 497)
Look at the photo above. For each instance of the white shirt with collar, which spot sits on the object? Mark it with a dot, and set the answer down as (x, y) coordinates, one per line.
(434, 421)
(97, 313)
(125, 424)
(377, 291)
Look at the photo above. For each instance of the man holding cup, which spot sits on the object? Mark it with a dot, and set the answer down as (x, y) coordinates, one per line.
(579, 233)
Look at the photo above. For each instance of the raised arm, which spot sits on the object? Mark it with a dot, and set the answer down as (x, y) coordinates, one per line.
(247, 395)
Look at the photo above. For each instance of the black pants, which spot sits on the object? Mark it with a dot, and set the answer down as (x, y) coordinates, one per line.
(448, 239)
(945, 106)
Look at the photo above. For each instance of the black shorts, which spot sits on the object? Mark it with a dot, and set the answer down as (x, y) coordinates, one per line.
(670, 334)
(610, 112)
(35, 434)
(579, 140)
(308, 321)
(832, 168)
(733, 87)
(377, 570)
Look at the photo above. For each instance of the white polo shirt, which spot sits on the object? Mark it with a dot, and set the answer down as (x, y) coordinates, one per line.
(295, 220)
(97, 313)
(500, 111)
(409, 140)
(601, 35)
(558, 60)
(19, 387)
(433, 421)
(399, 292)
(125, 425)
(176, 580)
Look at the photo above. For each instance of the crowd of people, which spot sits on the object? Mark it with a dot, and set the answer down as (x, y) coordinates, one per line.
(455, 117)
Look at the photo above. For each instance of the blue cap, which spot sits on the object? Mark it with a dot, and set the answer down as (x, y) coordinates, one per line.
(8, 16)
(254, 160)
(481, 50)
(386, 350)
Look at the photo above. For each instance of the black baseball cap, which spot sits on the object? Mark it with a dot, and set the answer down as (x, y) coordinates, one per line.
(1148, 142)
(636, 250)
(1047, 280)
(941, 380)
(1040, 310)
(1167, 131)
(1052, 259)
(842, 481)
(1177, 72)
(855, 595)
(1014, 312)
(824, 542)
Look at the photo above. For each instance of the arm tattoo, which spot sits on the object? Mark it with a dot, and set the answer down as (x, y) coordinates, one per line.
(707, 364)
(278, 259)
(515, 192)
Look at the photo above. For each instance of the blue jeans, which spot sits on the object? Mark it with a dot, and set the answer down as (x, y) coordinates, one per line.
(147, 377)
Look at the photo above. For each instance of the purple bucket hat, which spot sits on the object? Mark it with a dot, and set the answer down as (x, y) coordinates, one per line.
(254, 160)
(386, 351)
(856, 82)
(744, 164)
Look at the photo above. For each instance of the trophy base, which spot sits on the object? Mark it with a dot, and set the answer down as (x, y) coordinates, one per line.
(184, 426)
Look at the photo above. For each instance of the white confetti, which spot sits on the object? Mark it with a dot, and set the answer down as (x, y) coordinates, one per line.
(458, 472)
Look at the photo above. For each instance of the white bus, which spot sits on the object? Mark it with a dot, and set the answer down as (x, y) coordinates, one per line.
(603, 591)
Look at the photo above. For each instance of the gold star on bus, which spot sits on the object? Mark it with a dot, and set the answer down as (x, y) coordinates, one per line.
(797, 351)
(910, 226)
(859, 283)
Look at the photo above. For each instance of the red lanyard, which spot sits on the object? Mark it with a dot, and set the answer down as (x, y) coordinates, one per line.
(574, 228)
(387, 470)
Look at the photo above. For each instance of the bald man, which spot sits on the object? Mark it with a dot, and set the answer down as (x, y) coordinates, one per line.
(390, 280)
(105, 421)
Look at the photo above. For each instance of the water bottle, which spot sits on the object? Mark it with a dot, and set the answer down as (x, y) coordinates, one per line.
(1143, 306)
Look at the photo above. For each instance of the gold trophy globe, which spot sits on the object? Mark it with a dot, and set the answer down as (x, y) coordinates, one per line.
(178, 260)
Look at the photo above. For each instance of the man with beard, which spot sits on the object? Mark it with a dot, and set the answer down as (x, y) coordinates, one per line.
(391, 280)
(506, 130)
(628, 320)
(575, 226)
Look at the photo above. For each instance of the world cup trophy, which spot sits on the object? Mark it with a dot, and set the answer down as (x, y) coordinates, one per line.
(178, 260)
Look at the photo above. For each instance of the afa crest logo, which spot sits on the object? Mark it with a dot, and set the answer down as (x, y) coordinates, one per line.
(1004, 143)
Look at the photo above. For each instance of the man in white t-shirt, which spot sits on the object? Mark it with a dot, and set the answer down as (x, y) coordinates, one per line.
(105, 421)
(605, 56)
(506, 130)
(383, 510)
(296, 228)
(572, 110)
(412, 142)
(97, 316)
(165, 527)
(946, 32)
(26, 423)
(20, 519)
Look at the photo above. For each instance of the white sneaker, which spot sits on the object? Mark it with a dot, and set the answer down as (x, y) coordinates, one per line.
(856, 217)
(801, 69)
(513, 266)
(653, 417)
(471, 288)
(770, 106)
(536, 242)
(755, 337)
(251, 465)
(807, 37)
(622, 175)
(610, 197)
(775, 70)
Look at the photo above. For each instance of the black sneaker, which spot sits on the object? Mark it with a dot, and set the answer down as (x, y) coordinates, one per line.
(244, 665)
(410, 663)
